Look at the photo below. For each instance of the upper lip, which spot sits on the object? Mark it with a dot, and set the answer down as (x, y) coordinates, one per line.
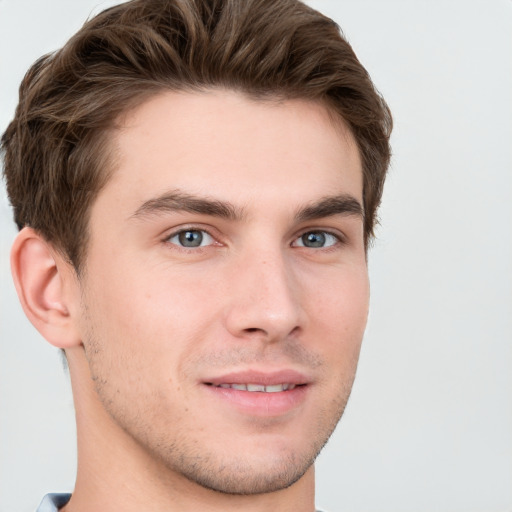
(286, 376)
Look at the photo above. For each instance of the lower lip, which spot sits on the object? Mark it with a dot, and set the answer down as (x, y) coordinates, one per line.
(259, 403)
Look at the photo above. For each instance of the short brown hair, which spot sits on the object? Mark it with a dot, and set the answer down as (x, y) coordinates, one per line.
(55, 150)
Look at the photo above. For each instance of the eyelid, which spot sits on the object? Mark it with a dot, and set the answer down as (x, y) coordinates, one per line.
(191, 227)
(338, 235)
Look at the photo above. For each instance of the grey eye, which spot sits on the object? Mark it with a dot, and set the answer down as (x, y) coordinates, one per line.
(316, 240)
(191, 238)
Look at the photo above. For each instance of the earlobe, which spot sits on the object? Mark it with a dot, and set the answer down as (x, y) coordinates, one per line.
(42, 278)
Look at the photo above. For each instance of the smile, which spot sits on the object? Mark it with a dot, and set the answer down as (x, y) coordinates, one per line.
(258, 388)
(259, 400)
(256, 393)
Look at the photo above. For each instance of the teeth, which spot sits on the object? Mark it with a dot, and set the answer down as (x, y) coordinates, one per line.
(255, 387)
(274, 388)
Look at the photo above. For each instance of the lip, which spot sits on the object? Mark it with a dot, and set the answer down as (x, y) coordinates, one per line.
(259, 377)
(256, 403)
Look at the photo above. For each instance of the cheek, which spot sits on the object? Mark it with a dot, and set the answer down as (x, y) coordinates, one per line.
(340, 312)
(147, 313)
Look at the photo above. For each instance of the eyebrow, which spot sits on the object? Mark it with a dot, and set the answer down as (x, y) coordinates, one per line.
(343, 204)
(178, 201)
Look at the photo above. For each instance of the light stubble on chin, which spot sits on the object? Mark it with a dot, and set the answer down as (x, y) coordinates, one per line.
(183, 453)
(237, 476)
(228, 472)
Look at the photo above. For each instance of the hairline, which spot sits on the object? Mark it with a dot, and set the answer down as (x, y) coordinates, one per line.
(111, 154)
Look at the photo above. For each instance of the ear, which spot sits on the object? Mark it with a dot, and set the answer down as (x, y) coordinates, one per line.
(46, 286)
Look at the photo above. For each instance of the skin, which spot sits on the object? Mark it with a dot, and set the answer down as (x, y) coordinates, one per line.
(150, 324)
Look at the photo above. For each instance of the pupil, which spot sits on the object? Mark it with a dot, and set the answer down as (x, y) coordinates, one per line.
(314, 239)
(191, 238)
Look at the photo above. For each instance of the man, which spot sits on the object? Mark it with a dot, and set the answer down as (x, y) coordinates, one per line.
(196, 184)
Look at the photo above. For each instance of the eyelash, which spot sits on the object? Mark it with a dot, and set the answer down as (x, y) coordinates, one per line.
(190, 229)
(338, 239)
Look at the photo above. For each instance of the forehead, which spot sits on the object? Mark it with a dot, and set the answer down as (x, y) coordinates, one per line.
(240, 148)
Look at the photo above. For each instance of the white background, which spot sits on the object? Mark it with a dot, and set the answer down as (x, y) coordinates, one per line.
(429, 424)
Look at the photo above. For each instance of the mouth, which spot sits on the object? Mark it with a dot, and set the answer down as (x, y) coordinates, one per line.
(259, 393)
(257, 388)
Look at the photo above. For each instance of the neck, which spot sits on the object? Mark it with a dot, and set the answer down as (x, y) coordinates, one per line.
(117, 473)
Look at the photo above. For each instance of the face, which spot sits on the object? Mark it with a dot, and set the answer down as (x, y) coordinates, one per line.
(225, 291)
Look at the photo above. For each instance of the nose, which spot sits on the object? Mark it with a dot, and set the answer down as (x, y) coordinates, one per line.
(264, 299)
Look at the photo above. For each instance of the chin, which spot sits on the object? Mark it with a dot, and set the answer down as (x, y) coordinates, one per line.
(263, 466)
(248, 477)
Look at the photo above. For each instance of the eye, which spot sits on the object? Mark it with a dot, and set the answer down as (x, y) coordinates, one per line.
(191, 238)
(316, 240)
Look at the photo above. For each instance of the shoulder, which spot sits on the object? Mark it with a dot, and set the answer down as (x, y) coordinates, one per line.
(53, 501)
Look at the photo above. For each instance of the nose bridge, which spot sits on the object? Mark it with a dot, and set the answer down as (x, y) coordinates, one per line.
(265, 300)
